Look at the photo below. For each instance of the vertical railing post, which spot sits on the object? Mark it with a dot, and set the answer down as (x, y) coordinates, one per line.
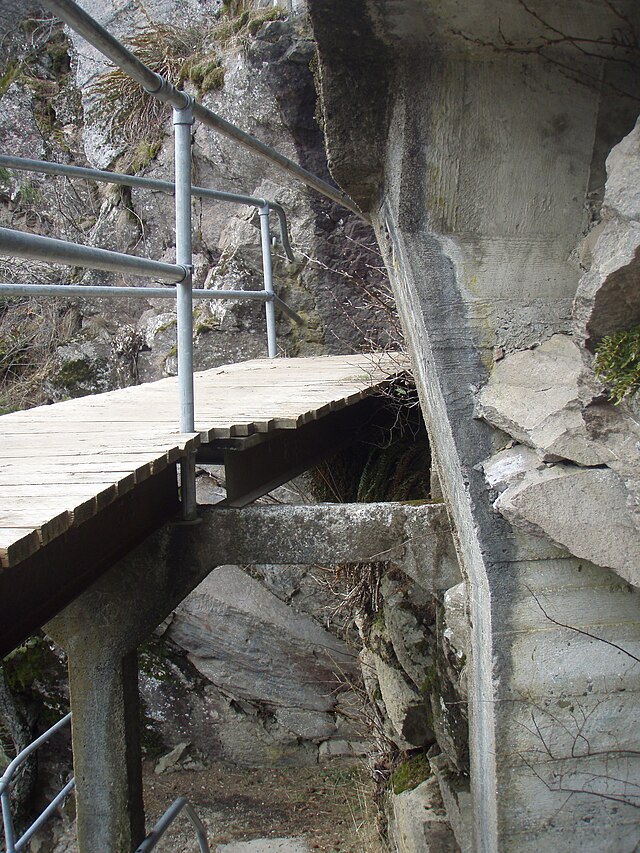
(9, 832)
(182, 122)
(267, 270)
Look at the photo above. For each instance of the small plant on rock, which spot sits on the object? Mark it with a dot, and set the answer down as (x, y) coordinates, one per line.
(617, 363)
(133, 113)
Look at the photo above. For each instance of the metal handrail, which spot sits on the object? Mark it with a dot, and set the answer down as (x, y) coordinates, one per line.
(36, 247)
(185, 111)
(167, 819)
(13, 845)
(11, 289)
(25, 164)
(164, 91)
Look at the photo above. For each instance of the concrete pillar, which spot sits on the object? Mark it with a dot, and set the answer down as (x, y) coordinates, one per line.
(106, 743)
(103, 683)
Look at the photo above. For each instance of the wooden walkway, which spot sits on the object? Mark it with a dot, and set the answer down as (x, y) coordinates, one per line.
(62, 465)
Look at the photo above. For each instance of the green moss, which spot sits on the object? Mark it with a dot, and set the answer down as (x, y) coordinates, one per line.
(8, 76)
(240, 25)
(78, 370)
(410, 774)
(36, 673)
(204, 72)
(431, 680)
(139, 157)
(617, 363)
(58, 50)
(78, 377)
(28, 194)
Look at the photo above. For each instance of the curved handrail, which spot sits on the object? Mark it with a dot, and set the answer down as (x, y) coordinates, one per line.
(13, 846)
(167, 819)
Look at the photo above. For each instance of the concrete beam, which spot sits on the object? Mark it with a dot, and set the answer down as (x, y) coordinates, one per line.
(101, 629)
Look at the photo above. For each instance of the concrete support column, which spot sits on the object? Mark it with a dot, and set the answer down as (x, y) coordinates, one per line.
(103, 683)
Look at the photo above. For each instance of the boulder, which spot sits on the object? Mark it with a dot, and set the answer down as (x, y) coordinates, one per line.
(309, 725)
(608, 298)
(534, 396)
(510, 465)
(170, 762)
(418, 821)
(342, 749)
(406, 708)
(583, 510)
(622, 192)
(252, 645)
(408, 616)
(456, 798)
(455, 635)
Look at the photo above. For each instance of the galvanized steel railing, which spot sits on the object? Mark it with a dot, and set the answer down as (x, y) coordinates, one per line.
(161, 89)
(20, 244)
(14, 845)
(185, 110)
(181, 804)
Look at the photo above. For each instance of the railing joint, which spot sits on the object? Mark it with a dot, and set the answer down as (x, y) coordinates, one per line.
(184, 115)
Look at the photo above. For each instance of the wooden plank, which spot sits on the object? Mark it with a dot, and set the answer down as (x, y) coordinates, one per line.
(60, 464)
(16, 544)
(53, 576)
(62, 476)
(48, 521)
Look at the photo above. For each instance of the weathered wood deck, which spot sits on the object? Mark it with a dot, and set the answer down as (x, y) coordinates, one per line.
(64, 464)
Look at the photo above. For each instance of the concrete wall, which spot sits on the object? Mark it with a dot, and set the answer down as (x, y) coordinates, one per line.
(485, 160)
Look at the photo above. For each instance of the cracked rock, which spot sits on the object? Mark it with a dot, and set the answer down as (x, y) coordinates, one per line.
(584, 510)
(608, 298)
(534, 396)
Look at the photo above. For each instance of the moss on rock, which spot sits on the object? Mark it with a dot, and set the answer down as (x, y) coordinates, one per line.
(410, 774)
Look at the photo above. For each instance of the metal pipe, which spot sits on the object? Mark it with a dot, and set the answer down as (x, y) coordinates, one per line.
(35, 247)
(215, 122)
(8, 774)
(20, 757)
(24, 164)
(167, 819)
(7, 822)
(102, 40)
(289, 311)
(9, 289)
(45, 815)
(267, 271)
(284, 229)
(182, 122)
(155, 85)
